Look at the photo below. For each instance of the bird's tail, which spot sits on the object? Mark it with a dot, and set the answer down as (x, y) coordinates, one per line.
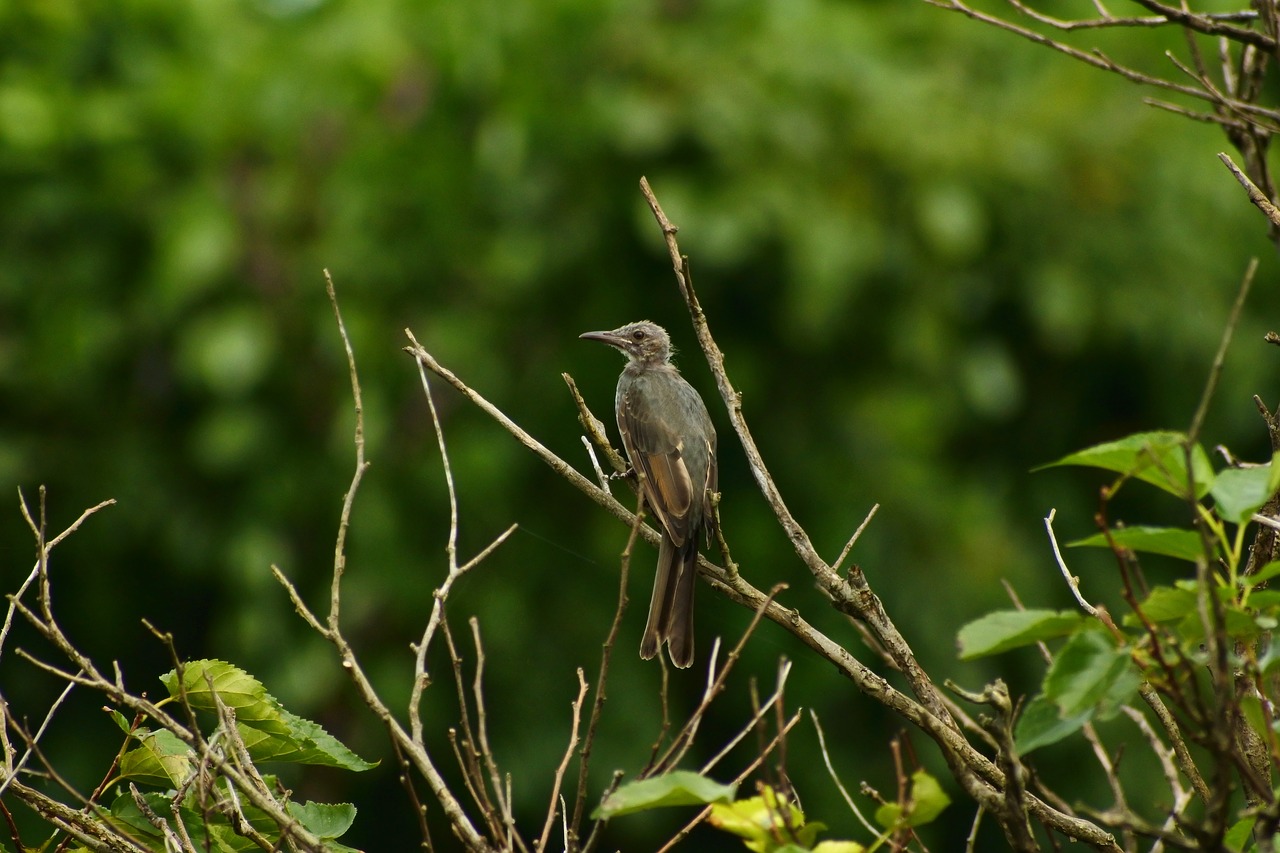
(671, 608)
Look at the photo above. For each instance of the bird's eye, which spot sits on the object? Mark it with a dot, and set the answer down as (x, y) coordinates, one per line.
(638, 334)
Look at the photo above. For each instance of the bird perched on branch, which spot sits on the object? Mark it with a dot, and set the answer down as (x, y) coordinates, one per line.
(671, 444)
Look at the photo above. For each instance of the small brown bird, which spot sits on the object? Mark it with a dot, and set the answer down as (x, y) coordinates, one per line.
(671, 443)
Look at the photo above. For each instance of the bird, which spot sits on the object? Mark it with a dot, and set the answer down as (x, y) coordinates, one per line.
(671, 444)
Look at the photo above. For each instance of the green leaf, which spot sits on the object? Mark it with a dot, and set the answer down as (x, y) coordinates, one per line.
(120, 720)
(1262, 575)
(305, 743)
(925, 802)
(236, 688)
(269, 731)
(839, 847)
(1088, 671)
(160, 759)
(1157, 458)
(679, 788)
(1165, 604)
(1240, 492)
(325, 820)
(1008, 629)
(1167, 541)
(1240, 624)
(1239, 835)
(1265, 599)
(765, 820)
(1041, 724)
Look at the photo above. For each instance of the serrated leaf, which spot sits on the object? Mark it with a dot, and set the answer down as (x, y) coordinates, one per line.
(1240, 492)
(679, 788)
(1157, 458)
(320, 747)
(324, 820)
(236, 688)
(306, 742)
(1166, 541)
(1008, 629)
(269, 731)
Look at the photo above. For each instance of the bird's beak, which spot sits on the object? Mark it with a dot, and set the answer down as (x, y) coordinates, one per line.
(604, 337)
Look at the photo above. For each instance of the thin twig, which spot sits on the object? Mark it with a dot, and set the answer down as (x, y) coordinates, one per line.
(1257, 196)
(1220, 357)
(871, 513)
(826, 758)
(747, 771)
(606, 656)
(564, 764)
(348, 500)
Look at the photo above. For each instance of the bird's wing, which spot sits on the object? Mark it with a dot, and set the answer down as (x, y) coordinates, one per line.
(656, 451)
(712, 484)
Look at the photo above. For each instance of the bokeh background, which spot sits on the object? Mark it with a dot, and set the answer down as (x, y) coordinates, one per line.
(935, 257)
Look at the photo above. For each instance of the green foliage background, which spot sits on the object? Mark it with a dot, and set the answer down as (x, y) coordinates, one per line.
(934, 256)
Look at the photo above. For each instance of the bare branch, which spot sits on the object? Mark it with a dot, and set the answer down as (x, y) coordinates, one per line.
(1257, 196)
(564, 764)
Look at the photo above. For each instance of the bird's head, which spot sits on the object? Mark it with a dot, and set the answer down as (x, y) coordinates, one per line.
(642, 342)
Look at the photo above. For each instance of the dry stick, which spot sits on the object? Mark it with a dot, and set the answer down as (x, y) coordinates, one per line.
(747, 771)
(973, 831)
(35, 570)
(421, 679)
(857, 534)
(32, 740)
(89, 676)
(51, 772)
(94, 835)
(1088, 729)
(171, 840)
(486, 751)
(1240, 126)
(419, 808)
(344, 520)
(1104, 22)
(597, 704)
(983, 776)
(855, 595)
(826, 758)
(1220, 357)
(415, 749)
(564, 764)
(1229, 719)
(773, 702)
(1095, 58)
(1149, 695)
(1182, 796)
(596, 829)
(468, 762)
(595, 430)
(1257, 196)
(680, 745)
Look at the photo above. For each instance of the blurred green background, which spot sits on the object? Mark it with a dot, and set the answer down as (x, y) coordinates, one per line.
(935, 256)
